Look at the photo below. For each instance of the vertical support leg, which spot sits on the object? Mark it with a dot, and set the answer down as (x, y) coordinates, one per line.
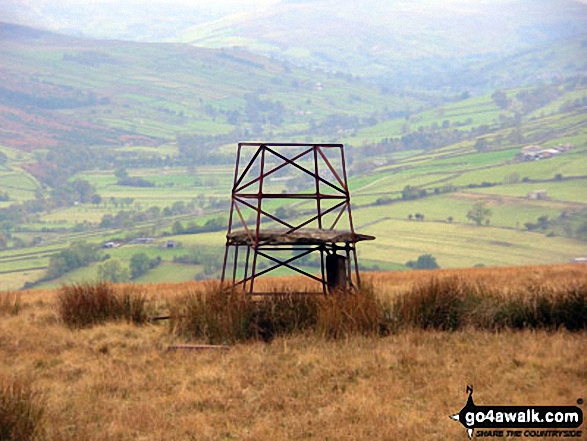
(322, 252)
(349, 274)
(354, 251)
(258, 223)
(246, 267)
(253, 270)
(235, 264)
(316, 179)
(222, 278)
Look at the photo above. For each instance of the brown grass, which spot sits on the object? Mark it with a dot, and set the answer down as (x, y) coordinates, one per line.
(21, 411)
(217, 315)
(10, 303)
(117, 381)
(455, 302)
(83, 305)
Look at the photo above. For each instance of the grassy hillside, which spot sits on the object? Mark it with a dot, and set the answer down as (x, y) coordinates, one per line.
(60, 90)
(138, 140)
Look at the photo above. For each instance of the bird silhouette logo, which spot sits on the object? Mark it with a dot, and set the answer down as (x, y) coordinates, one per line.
(469, 407)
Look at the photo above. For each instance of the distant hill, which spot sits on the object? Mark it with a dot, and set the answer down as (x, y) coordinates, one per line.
(61, 90)
(374, 37)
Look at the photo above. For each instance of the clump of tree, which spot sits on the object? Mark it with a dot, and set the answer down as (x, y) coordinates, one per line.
(140, 264)
(424, 261)
(212, 224)
(209, 258)
(77, 191)
(410, 192)
(130, 181)
(479, 213)
(541, 224)
(79, 254)
(113, 270)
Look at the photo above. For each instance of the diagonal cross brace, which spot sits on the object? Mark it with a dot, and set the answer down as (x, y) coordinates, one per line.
(280, 264)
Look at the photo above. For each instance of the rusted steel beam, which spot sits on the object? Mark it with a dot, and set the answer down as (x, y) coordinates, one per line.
(327, 162)
(273, 170)
(288, 144)
(288, 196)
(289, 161)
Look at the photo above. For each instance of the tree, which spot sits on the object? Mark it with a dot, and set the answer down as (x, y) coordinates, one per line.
(96, 199)
(481, 144)
(425, 261)
(511, 178)
(177, 228)
(500, 99)
(410, 192)
(121, 173)
(479, 213)
(84, 190)
(139, 265)
(113, 270)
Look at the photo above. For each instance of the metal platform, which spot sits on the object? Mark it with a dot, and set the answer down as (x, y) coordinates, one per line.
(307, 236)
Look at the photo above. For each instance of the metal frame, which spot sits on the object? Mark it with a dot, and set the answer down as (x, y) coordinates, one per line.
(245, 273)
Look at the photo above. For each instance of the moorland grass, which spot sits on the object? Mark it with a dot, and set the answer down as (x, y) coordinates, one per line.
(83, 305)
(455, 303)
(216, 314)
(21, 411)
(10, 303)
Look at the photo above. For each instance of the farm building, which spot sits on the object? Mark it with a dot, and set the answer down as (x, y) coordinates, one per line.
(538, 194)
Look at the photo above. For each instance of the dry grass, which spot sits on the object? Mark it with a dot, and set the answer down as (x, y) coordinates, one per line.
(83, 305)
(21, 411)
(117, 381)
(10, 303)
(216, 315)
(455, 302)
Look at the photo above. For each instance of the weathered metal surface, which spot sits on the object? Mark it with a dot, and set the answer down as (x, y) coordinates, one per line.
(308, 236)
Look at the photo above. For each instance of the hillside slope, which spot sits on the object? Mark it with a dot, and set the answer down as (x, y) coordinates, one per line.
(379, 38)
(59, 90)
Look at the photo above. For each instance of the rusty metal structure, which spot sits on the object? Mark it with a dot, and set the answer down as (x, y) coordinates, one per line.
(290, 208)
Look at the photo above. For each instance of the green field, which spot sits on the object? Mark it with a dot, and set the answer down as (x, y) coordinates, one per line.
(464, 245)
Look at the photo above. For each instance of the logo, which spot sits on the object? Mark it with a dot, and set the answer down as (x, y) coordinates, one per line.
(483, 420)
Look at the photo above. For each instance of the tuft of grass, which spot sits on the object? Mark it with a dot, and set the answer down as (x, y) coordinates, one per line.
(21, 411)
(219, 315)
(454, 303)
(441, 304)
(359, 312)
(546, 306)
(213, 314)
(10, 303)
(84, 305)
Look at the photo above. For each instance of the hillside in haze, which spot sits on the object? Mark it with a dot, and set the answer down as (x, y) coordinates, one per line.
(398, 38)
(394, 39)
(111, 141)
(60, 90)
